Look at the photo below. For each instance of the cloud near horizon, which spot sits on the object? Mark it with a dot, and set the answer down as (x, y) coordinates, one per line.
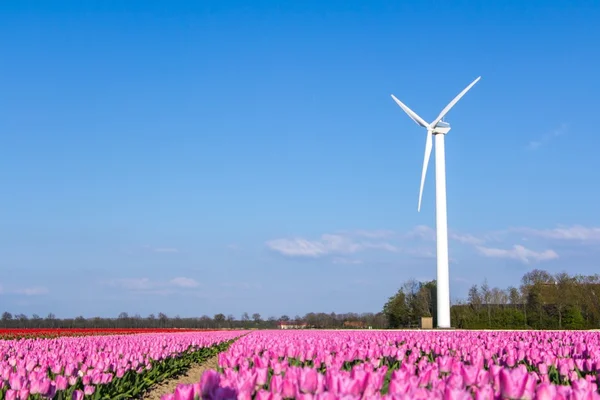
(574, 233)
(27, 291)
(153, 286)
(520, 253)
(342, 244)
(328, 244)
(161, 249)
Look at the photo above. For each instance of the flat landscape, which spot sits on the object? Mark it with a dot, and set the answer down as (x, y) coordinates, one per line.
(304, 364)
(311, 200)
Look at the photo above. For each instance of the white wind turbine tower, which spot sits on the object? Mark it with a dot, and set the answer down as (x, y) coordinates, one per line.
(439, 129)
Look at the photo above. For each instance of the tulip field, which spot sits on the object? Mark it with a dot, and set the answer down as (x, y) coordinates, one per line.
(307, 364)
(110, 367)
(54, 333)
(403, 365)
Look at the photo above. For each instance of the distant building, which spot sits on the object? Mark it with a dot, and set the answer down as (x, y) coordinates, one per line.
(354, 324)
(292, 325)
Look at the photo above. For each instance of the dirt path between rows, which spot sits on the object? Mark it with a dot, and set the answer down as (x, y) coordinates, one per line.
(191, 376)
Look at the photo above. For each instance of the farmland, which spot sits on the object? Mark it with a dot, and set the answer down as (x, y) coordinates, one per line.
(101, 366)
(404, 365)
(309, 364)
(8, 334)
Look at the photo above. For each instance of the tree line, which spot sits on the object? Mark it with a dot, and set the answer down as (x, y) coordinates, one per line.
(217, 321)
(542, 301)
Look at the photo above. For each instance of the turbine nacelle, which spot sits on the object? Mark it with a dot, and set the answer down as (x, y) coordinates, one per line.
(441, 127)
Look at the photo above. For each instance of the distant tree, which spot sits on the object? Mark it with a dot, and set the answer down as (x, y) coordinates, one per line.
(486, 295)
(563, 294)
(36, 321)
(514, 297)
(6, 316)
(219, 319)
(395, 310)
(573, 319)
(21, 317)
(163, 319)
(256, 317)
(537, 276)
(205, 321)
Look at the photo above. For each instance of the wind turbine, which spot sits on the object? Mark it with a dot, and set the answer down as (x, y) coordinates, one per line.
(439, 129)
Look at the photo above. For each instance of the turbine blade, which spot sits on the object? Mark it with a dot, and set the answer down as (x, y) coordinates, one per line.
(413, 115)
(453, 102)
(428, 146)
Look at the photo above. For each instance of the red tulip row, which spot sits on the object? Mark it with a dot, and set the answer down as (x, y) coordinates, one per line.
(10, 334)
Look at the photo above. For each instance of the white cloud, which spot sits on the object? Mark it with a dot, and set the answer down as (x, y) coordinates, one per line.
(466, 238)
(31, 291)
(572, 233)
(346, 261)
(420, 252)
(423, 232)
(298, 247)
(374, 234)
(345, 243)
(343, 246)
(147, 285)
(328, 244)
(28, 291)
(184, 282)
(166, 250)
(160, 249)
(133, 283)
(520, 253)
(559, 131)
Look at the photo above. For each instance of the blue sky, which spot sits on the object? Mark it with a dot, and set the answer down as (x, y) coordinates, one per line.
(201, 157)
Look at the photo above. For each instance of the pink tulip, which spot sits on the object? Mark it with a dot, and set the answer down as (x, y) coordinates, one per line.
(276, 384)
(209, 381)
(545, 391)
(184, 392)
(16, 382)
(456, 394)
(263, 395)
(77, 395)
(308, 380)
(289, 388)
(23, 394)
(485, 393)
(455, 382)
(469, 374)
(197, 389)
(88, 390)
